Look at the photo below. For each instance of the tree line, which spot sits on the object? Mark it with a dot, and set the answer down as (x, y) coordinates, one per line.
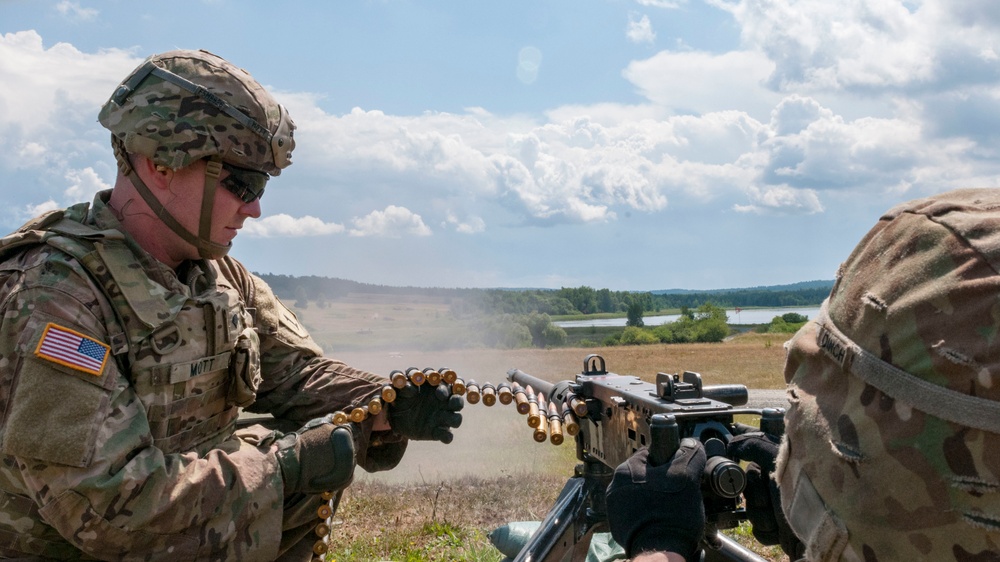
(554, 302)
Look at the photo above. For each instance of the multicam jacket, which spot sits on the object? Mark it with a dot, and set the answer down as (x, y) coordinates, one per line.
(120, 384)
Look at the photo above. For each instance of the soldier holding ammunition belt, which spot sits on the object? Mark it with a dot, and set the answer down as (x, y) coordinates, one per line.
(130, 341)
(892, 436)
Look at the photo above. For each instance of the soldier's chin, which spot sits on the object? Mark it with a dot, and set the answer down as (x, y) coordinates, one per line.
(215, 251)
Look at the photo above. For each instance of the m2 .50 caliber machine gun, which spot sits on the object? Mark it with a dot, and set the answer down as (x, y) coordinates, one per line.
(617, 415)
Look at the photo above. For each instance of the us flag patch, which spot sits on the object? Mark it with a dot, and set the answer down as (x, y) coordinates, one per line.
(72, 349)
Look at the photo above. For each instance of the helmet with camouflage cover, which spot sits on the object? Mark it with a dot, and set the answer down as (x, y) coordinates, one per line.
(892, 443)
(179, 107)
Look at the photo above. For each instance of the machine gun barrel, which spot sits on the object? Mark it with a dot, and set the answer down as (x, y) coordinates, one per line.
(525, 380)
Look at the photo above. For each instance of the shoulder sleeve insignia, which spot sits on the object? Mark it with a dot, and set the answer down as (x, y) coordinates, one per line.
(72, 349)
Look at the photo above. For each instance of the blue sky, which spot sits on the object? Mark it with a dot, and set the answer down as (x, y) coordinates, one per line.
(633, 145)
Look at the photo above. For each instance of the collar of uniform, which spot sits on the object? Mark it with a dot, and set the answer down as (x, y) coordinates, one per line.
(188, 281)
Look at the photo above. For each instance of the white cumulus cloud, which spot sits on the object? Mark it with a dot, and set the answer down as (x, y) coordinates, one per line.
(393, 222)
(282, 225)
(639, 29)
(83, 184)
(74, 11)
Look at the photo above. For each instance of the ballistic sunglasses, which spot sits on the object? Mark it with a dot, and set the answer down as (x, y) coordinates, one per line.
(244, 183)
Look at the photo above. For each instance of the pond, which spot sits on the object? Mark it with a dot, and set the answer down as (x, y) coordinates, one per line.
(746, 316)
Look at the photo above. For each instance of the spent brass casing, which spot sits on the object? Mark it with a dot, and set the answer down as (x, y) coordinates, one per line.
(388, 394)
(570, 424)
(398, 379)
(489, 394)
(340, 418)
(448, 375)
(521, 399)
(359, 414)
(458, 387)
(472, 392)
(504, 394)
(416, 376)
(374, 406)
(433, 376)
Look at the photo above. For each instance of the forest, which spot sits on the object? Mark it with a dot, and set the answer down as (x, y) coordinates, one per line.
(565, 301)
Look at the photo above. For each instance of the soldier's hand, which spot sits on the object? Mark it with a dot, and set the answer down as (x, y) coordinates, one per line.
(659, 508)
(426, 412)
(319, 457)
(763, 504)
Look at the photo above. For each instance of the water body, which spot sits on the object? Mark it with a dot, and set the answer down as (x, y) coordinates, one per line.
(748, 316)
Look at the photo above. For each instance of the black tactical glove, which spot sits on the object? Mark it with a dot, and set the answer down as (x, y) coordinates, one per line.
(763, 504)
(426, 412)
(659, 508)
(317, 458)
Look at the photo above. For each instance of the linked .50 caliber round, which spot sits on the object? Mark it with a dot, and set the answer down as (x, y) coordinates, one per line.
(433, 376)
(489, 394)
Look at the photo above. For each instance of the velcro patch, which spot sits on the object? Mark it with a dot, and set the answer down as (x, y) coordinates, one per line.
(72, 349)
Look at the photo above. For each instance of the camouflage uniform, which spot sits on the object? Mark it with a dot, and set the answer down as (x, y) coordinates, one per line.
(892, 448)
(133, 455)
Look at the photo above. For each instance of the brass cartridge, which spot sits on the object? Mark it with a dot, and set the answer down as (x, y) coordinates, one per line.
(324, 511)
(320, 548)
(322, 530)
(458, 387)
(521, 398)
(416, 376)
(388, 394)
(340, 418)
(472, 393)
(433, 376)
(504, 394)
(374, 406)
(555, 425)
(359, 414)
(398, 379)
(578, 406)
(448, 375)
(542, 427)
(534, 419)
(489, 394)
(570, 424)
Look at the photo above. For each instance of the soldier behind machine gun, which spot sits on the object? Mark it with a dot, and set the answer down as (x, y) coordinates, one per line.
(891, 440)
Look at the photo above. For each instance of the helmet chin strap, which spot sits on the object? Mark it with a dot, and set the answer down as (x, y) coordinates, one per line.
(206, 248)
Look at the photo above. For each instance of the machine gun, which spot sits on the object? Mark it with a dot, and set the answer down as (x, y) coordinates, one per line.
(617, 415)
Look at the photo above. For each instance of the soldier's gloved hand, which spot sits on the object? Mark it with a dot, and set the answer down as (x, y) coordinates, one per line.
(763, 505)
(426, 412)
(319, 457)
(659, 508)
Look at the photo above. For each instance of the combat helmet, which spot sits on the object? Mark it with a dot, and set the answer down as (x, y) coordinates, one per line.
(892, 443)
(183, 106)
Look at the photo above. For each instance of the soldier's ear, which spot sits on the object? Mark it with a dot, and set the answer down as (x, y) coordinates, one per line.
(154, 175)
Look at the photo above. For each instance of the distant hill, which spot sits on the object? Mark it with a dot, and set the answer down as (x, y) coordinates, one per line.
(290, 286)
(556, 302)
(802, 285)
